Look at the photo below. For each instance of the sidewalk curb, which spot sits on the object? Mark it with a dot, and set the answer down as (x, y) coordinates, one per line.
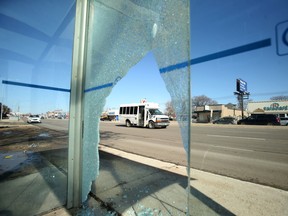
(239, 197)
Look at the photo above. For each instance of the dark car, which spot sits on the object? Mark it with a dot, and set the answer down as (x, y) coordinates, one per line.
(225, 120)
(260, 119)
(105, 118)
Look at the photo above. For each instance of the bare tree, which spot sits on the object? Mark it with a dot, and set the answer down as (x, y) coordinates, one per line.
(169, 109)
(245, 104)
(4, 110)
(230, 106)
(202, 100)
(196, 101)
(280, 97)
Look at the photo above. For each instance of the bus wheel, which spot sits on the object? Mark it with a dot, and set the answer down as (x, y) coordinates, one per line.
(151, 125)
(128, 123)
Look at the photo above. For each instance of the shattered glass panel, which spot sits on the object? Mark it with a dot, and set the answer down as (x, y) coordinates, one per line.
(120, 34)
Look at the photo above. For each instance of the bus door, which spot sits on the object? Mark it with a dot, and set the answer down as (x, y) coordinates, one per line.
(141, 118)
(147, 116)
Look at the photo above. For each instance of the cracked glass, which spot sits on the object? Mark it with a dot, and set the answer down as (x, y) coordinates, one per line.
(119, 36)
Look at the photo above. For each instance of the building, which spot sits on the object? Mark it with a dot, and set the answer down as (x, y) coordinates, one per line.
(269, 107)
(111, 115)
(208, 113)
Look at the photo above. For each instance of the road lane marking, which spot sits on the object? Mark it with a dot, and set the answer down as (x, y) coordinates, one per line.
(210, 150)
(250, 132)
(222, 136)
(232, 148)
(203, 159)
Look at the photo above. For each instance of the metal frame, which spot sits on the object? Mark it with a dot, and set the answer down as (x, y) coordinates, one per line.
(75, 151)
(74, 184)
(189, 119)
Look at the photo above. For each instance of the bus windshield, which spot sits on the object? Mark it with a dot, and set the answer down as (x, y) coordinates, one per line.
(155, 112)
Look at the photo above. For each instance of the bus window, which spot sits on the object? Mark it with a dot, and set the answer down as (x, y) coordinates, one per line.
(131, 110)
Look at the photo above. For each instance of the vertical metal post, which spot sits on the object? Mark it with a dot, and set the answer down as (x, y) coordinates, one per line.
(18, 113)
(1, 113)
(189, 116)
(240, 99)
(242, 105)
(74, 185)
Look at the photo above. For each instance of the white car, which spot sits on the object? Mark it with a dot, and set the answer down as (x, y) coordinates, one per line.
(34, 119)
(284, 121)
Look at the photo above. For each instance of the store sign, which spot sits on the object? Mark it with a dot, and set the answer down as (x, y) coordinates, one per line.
(275, 107)
(206, 107)
(241, 86)
(282, 38)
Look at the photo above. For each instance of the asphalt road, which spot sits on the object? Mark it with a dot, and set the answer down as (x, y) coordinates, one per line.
(257, 154)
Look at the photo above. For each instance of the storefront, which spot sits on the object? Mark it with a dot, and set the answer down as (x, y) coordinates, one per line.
(269, 107)
(206, 114)
(113, 114)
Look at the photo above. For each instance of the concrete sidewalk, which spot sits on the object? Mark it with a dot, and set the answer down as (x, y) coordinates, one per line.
(130, 184)
(210, 194)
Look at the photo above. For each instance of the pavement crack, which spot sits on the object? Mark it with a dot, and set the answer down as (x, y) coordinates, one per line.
(106, 205)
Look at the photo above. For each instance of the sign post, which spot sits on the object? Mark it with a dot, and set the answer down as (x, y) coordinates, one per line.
(241, 92)
(1, 111)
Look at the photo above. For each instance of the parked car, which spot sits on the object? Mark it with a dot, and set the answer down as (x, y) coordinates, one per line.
(225, 120)
(105, 118)
(260, 119)
(34, 119)
(61, 116)
(284, 121)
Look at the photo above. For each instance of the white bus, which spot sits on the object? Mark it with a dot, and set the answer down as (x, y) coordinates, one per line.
(143, 115)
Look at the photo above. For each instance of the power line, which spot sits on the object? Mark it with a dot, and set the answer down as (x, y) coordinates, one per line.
(283, 93)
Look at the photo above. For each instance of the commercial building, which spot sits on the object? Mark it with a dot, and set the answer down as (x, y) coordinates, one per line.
(269, 107)
(208, 113)
(111, 114)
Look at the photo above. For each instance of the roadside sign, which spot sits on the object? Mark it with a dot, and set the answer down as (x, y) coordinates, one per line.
(241, 86)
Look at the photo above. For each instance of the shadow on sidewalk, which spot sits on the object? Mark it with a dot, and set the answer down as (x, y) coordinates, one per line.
(128, 187)
(132, 188)
(29, 183)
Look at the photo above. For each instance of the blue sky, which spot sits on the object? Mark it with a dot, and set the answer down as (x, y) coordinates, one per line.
(215, 26)
(212, 32)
